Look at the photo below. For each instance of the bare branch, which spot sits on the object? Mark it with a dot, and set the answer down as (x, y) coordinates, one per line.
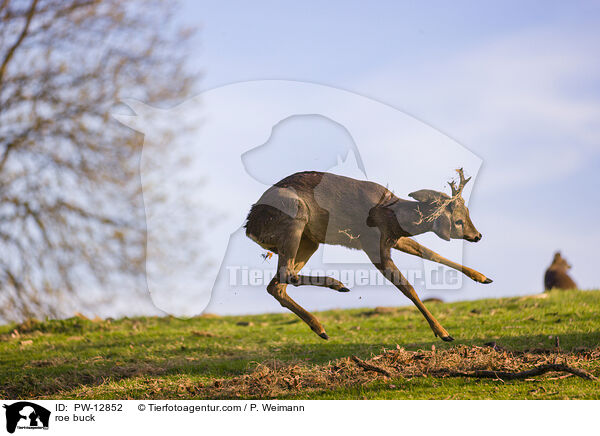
(11, 51)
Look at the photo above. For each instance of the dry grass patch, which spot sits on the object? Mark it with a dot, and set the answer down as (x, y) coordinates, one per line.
(276, 379)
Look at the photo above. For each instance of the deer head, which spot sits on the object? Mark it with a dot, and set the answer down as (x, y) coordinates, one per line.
(449, 215)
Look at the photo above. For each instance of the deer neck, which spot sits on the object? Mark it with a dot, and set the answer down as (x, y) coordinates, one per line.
(412, 217)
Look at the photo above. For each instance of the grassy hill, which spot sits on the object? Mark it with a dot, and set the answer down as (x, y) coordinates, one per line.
(276, 355)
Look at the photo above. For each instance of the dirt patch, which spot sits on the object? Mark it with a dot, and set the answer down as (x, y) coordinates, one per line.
(380, 311)
(276, 379)
(203, 333)
(245, 323)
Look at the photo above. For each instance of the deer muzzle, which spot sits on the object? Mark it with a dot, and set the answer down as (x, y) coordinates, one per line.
(475, 238)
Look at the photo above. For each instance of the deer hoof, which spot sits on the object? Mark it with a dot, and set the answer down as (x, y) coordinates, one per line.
(343, 289)
(487, 281)
(324, 335)
(447, 339)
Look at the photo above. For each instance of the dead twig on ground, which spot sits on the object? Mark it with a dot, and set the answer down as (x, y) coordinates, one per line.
(370, 367)
(538, 370)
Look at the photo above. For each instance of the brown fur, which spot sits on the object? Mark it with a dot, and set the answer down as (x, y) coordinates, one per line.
(294, 216)
(557, 276)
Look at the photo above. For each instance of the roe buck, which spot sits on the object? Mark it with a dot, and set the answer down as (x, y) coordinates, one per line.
(310, 208)
(557, 276)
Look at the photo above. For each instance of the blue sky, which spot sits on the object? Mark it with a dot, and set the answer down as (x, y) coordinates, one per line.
(340, 43)
(517, 83)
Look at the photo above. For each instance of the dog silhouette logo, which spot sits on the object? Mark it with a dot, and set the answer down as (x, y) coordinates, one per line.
(26, 415)
(238, 140)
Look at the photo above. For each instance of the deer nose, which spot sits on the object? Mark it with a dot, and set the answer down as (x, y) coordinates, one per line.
(478, 237)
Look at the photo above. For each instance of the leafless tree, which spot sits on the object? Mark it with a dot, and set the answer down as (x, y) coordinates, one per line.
(71, 214)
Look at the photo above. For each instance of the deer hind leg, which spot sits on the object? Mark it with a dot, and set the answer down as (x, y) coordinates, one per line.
(411, 246)
(277, 290)
(305, 251)
(293, 253)
(384, 263)
(289, 267)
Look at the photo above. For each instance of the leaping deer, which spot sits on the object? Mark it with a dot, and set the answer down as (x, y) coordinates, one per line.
(310, 208)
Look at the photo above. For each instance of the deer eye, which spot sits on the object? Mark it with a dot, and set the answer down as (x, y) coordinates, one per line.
(459, 222)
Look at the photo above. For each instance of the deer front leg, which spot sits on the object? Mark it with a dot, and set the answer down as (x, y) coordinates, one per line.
(391, 272)
(411, 246)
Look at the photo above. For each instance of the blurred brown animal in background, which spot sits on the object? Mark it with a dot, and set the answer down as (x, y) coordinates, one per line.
(556, 276)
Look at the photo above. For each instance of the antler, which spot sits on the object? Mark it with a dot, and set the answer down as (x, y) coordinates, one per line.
(457, 191)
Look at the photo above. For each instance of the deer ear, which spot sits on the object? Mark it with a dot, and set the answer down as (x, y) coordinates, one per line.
(428, 196)
(442, 227)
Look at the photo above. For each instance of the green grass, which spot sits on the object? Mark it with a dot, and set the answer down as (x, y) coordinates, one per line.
(169, 357)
